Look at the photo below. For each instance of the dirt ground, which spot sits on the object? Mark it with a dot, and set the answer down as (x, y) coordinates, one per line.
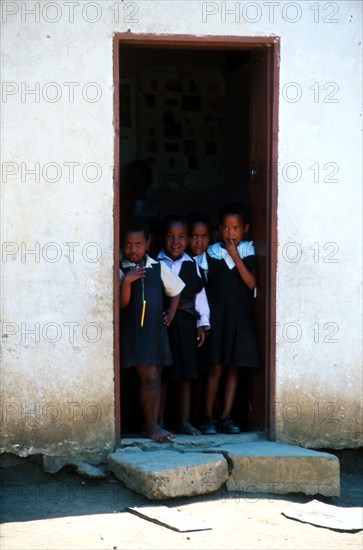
(66, 511)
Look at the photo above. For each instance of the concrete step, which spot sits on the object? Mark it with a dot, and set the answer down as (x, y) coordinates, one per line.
(167, 474)
(200, 442)
(276, 468)
(188, 467)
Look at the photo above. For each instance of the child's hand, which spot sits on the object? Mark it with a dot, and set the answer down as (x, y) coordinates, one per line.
(167, 318)
(200, 336)
(232, 249)
(134, 274)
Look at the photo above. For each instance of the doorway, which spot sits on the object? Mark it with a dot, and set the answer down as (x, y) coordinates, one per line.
(202, 113)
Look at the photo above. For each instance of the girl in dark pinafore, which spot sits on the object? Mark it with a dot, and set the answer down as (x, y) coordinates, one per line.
(187, 332)
(231, 276)
(143, 321)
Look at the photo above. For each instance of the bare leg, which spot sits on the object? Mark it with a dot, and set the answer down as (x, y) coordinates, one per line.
(186, 427)
(150, 402)
(199, 388)
(163, 394)
(230, 390)
(157, 404)
(214, 375)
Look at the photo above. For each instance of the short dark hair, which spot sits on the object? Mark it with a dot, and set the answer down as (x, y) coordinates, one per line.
(135, 225)
(172, 218)
(235, 209)
(198, 217)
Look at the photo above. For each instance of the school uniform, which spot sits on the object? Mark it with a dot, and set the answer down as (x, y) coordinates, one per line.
(201, 261)
(203, 351)
(193, 312)
(233, 339)
(147, 344)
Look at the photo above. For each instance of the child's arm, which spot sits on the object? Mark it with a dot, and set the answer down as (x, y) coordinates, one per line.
(202, 307)
(203, 323)
(173, 286)
(125, 292)
(247, 277)
(168, 315)
(201, 333)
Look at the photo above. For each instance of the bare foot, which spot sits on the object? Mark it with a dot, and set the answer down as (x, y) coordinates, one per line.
(158, 434)
(188, 428)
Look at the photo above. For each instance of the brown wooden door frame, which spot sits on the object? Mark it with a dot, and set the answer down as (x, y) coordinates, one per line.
(262, 199)
(272, 44)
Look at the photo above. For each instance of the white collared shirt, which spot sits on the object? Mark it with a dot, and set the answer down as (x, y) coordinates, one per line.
(217, 251)
(201, 301)
(201, 261)
(173, 285)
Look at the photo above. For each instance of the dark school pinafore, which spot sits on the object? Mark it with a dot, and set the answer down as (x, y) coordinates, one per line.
(147, 344)
(233, 339)
(183, 329)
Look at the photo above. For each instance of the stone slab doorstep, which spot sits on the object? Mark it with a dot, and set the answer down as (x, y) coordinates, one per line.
(277, 468)
(167, 517)
(326, 515)
(168, 474)
(191, 441)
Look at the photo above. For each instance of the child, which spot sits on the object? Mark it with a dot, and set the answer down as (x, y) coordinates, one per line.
(144, 339)
(199, 231)
(192, 317)
(233, 342)
(199, 238)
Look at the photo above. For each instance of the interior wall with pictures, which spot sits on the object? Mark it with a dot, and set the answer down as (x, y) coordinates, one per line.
(190, 125)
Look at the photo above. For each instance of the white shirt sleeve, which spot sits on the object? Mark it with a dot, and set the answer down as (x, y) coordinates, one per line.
(173, 285)
(202, 307)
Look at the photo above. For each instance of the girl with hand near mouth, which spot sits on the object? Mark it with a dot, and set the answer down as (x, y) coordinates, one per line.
(231, 280)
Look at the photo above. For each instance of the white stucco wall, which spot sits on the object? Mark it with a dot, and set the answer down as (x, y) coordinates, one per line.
(57, 383)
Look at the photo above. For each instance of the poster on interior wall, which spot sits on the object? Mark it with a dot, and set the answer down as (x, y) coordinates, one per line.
(192, 82)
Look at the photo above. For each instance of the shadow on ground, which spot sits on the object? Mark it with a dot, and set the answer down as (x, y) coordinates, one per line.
(28, 493)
